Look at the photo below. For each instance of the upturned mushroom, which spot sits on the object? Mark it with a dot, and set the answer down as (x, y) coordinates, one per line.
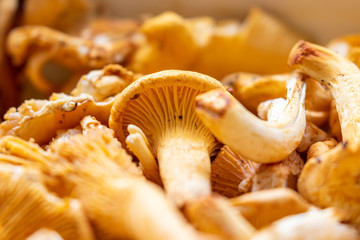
(332, 179)
(26, 206)
(245, 134)
(162, 105)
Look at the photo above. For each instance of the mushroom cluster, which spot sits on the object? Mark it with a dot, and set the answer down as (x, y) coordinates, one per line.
(169, 152)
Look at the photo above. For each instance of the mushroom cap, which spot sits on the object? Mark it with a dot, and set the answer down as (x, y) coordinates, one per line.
(168, 78)
(263, 207)
(313, 224)
(61, 112)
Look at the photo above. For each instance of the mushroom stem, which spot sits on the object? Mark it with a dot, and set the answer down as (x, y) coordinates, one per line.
(184, 167)
(138, 144)
(246, 134)
(132, 214)
(340, 76)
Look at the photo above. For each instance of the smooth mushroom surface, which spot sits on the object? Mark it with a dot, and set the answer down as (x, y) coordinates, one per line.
(314, 224)
(162, 105)
(216, 215)
(245, 134)
(264, 207)
(332, 179)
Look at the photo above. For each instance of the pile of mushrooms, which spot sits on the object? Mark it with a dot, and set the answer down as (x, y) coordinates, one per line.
(178, 154)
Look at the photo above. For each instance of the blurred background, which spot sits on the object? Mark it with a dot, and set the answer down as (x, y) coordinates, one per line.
(35, 62)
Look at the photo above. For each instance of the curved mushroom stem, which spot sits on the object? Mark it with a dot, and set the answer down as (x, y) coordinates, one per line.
(139, 145)
(232, 124)
(340, 76)
(184, 167)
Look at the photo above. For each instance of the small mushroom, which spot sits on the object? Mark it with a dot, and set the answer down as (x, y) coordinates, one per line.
(216, 215)
(312, 135)
(314, 224)
(45, 234)
(231, 174)
(162, 105)
(332, 179)
(26, 206)
(264, 207)
(245, 134)
(318, 148)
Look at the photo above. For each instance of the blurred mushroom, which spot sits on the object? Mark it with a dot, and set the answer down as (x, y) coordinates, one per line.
(312, 135)
(318, 148)
(332, 179)
(231, 174)
(252, 89)
(96, 170)
(46, 51)
(277, 175)
(45, 234)
(8, 93)
(216, 215)
(245, 134)
(162, 105)
(264, 207)
(26, 206)
(260, 44)
(314, 224)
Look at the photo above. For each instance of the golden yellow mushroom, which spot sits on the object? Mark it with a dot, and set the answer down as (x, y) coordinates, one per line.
(264, 207)
(162, 105)
(245, 134)
(216, 215)
(332, 179)
(26, 206)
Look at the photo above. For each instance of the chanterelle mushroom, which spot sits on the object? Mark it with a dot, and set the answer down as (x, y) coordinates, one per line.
(162, 105)
(245, 134)
(314, 224)
(215, 214)
(263, 207)
(232, 174)
(332, 179)
(26, 205)
(100, 174)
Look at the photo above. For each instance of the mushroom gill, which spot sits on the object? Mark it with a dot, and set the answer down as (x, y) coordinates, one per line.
(231, 174)
(162, 105)
(26, 206)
